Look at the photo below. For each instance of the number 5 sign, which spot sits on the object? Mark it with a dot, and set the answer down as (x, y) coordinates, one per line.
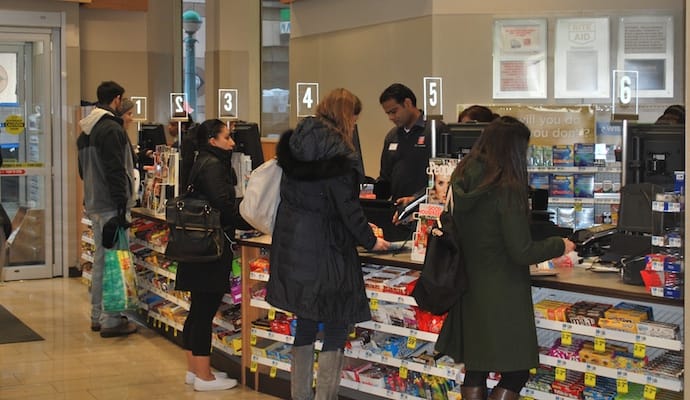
(307, 98)
(227, 104)
(433, 96)
(624, 103)
(178, 107)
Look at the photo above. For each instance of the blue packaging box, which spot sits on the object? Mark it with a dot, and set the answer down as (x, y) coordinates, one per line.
(539, 180)
(563, 155)
(679, 182)
(562, 186)
(584, 154)
(583, 185)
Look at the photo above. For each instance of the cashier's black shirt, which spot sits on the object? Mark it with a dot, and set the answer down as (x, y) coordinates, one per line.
(405, 158)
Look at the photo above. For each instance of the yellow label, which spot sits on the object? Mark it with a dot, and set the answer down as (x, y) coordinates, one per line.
(271, 314)
(254, 366)
(622, 386)
(166, 327)
(273, 372)
(411, 342)
(566, 338)
(374, 304)
(533, 371)
(14, 124)
(639, 350)
(175, 333)
(403, 372)
(560, 374)
(599, 344)
(590, 379)
(649, 392)
(252, 340)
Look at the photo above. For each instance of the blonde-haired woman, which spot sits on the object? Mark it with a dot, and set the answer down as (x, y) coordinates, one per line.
(315, 270)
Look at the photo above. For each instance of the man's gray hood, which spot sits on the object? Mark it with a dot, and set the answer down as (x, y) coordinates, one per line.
(87, 123)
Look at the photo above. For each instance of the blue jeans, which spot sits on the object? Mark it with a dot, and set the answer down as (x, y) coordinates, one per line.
(107, 320)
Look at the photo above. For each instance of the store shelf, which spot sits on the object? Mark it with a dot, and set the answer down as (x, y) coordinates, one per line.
(399, 330)
(273, 336)
(264, 305)
(156, 269)
(166, 296)
(391, 297)
(86, 221)
(157, 248)
(672, 384)
(615, 169)
(388, 394)
(613, 198)
(87, 257)
(165, 321)
(87, 239)
(539, 395)
(672, 243)
(444, 372)
(258, 276)
(271, 363)
(609, 334)
(224, 324)
(86, 276)
(225, 348)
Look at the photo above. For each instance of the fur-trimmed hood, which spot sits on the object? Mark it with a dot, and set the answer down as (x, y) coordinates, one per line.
(313, 151)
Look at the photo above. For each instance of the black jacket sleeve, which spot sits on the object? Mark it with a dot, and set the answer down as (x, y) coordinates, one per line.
(215, 183)
(350, 210)
(111, 149)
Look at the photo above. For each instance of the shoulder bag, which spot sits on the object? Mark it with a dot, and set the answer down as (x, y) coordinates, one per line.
(443, 278)
(262, 196)
(196, 233)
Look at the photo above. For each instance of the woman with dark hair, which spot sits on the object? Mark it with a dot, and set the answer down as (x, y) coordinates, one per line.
(315, 269)
(477, 113)
(491, 210)
(209, 281)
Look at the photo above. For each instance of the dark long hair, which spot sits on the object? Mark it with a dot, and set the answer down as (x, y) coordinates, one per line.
(502, 149)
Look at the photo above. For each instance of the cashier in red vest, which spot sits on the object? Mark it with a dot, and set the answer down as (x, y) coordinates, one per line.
(406, 149)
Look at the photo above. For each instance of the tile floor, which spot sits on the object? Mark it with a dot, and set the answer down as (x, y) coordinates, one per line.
(73, 363)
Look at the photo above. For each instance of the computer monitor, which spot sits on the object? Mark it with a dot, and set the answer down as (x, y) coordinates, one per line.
(654, 153)
(150, 136)
(248, 141)
(458, 138)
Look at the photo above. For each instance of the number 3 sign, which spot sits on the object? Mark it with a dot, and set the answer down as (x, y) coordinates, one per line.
(227, 104)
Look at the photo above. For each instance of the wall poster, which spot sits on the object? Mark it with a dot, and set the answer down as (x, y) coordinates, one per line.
(646, 46)
(519, 70)
(581, 60)
(8, 78)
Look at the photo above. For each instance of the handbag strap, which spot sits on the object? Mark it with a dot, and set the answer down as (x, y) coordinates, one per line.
(194, 173)
(448, 206)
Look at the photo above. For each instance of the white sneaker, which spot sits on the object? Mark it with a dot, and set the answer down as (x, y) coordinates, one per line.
(201, 385)
(189, 376)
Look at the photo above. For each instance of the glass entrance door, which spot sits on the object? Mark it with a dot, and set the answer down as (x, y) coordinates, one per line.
(26, 90)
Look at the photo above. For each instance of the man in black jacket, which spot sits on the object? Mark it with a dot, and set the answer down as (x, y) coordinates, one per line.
(106, 165)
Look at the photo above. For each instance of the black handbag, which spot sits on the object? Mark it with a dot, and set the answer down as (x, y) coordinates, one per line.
(443, 278)
(196, 233)
(6, 222)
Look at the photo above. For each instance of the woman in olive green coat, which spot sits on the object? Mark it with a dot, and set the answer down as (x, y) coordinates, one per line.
(492, 329)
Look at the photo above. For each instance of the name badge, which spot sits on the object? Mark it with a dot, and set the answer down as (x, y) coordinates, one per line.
(393, 147)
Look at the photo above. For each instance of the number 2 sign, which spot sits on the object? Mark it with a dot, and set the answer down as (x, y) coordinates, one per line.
(178, 107)
(307, 98)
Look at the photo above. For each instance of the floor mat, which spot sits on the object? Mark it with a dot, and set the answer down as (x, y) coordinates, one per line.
(12, 330)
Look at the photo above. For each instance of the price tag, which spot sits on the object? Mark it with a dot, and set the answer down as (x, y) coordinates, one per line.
(533, 371)
(166, 327)
(649, 392)
(252, 340)
(178, 107)
(433, 96)
(273, 372)
(227, 104)
(307, 98)
(599, 344)
(175, 333)
(590, 379)
(566, 338)
(639, 350)
(374, 304)
(411, 342)
(271, 314)
(560, 374)
(253, 366)
(140, 108)
(622, 386)
(403, 372)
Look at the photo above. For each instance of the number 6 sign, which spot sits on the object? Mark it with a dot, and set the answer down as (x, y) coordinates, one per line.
(178, 107)
(307, 98)
(624, 103)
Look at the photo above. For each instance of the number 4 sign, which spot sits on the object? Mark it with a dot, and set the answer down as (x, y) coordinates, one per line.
(227, 104)
(307, 98)
(178, 107)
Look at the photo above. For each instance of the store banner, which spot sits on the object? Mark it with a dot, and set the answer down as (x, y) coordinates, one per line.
(551, 125)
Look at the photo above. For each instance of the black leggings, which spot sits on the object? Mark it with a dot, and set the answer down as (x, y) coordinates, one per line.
(334, 334)
(196, 335)
(513, 381)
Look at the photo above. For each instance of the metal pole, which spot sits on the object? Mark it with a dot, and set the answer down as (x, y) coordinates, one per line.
(624, 155)
(190, 71)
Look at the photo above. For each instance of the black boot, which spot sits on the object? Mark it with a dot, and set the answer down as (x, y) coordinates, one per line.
(473, 392)
(500, 393)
